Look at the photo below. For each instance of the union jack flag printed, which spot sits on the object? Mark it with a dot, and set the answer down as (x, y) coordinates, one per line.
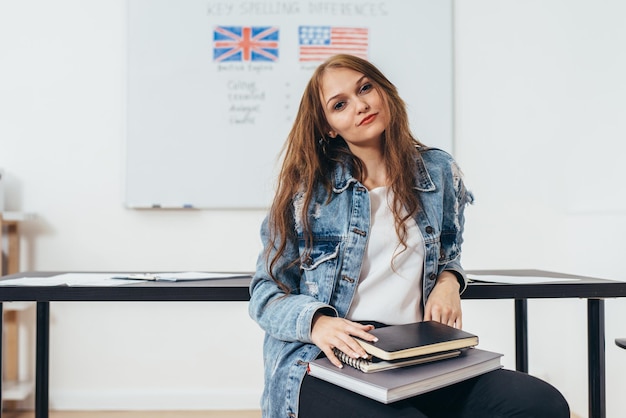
(245, 43)
(320, 42)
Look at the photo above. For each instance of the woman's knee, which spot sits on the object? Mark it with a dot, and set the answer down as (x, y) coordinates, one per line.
(533, 397)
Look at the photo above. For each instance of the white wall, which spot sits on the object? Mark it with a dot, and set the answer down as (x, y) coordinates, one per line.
(62, 144)
(540, 129)
(540, 118)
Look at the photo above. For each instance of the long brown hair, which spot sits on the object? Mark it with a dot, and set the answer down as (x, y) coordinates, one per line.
(309, 159)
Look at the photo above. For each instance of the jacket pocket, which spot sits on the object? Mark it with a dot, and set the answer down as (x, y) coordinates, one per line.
(320, 268)
(323, 251)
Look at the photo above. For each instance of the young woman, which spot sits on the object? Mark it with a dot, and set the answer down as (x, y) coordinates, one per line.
(366, 227)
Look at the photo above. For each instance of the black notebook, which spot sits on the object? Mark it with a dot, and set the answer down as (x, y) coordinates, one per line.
(417, 339)
(395, 384)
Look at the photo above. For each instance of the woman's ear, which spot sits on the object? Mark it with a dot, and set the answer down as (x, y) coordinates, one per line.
(332, 134)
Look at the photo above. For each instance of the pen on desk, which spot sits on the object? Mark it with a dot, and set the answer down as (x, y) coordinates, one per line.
(139, 276)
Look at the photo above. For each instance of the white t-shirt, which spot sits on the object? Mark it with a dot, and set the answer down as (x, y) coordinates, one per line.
(386, 293)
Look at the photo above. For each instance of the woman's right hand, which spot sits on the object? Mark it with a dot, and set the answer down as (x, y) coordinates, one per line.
(328, 332)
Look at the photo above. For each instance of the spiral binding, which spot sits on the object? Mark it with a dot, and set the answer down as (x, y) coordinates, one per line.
(357, 363)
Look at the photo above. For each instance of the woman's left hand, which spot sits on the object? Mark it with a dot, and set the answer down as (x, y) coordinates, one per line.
(444, 302)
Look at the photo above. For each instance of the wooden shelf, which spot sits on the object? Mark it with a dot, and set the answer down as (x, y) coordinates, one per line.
(13, 389)
(16, 390)
(17, 216)
(17, 306)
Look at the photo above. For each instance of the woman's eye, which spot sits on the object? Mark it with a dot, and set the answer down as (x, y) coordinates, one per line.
(339, 105)
(366, 87)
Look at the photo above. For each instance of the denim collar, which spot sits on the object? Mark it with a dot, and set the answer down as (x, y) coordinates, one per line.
(343, 177)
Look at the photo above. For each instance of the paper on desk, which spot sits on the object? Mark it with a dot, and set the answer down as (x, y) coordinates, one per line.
(109, 279)
(518, 279)
(68, 279)
(196, 275)
(31, 281)
(175, 277)
(91, 279)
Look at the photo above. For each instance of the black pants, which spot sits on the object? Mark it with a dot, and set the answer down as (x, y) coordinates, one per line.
(498, 394)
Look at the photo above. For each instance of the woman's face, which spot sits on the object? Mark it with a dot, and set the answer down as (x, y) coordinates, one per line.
(354, 108)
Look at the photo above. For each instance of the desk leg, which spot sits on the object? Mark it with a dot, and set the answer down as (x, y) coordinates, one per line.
(595, 353)
(521, 335)
(42, 358)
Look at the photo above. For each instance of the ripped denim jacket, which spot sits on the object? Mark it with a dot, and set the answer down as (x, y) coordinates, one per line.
(327, 278)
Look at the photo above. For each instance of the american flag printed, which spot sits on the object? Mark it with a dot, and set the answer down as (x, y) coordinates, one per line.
(245, 43)
(320, 42)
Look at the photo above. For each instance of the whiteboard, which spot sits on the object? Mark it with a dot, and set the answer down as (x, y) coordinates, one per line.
(213, 87)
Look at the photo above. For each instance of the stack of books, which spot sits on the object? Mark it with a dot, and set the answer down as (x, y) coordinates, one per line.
(408, 360)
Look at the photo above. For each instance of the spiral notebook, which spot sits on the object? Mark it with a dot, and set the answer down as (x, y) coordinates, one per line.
(373, 364)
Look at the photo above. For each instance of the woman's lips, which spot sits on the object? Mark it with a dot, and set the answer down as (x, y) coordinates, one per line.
(368, 119)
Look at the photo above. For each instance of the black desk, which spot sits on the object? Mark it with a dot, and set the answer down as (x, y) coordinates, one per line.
(223, 290)
(227, 290)
(592, 289)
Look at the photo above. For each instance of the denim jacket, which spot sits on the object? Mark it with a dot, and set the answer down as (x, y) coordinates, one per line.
(327, 278)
